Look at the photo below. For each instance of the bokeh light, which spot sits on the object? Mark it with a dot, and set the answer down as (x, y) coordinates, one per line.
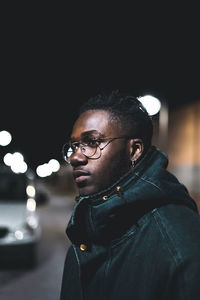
(151, 103)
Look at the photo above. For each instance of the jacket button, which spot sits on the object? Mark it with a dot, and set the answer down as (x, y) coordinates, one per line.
(83, 247)
(105, 198)
(118, 188)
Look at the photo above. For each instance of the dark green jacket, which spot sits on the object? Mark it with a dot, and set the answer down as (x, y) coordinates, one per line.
(138, 240)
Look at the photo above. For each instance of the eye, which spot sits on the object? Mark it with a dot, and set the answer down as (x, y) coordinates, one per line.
(93, 143)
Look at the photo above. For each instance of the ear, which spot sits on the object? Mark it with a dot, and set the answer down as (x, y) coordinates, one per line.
(136, 149)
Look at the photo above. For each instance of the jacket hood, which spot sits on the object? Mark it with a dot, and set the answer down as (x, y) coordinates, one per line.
(106, 215)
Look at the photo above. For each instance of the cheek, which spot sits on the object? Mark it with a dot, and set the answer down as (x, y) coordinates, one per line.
(110, 168)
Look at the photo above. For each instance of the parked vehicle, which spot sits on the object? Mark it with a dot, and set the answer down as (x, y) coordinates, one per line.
(20, 229)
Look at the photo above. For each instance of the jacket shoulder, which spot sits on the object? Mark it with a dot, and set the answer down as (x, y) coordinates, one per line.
(179, 226)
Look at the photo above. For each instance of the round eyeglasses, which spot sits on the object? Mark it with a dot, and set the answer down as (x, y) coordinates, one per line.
(90, 149)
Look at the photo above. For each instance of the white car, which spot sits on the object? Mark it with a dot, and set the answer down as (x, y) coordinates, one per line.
(20, 229)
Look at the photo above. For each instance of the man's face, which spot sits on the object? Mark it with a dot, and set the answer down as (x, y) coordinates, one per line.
(95, 175)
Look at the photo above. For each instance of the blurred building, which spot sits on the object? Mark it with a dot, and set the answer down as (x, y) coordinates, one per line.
(182, 144)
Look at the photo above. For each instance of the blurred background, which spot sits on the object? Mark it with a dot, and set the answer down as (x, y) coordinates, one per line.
(47, 72)
(33, 247)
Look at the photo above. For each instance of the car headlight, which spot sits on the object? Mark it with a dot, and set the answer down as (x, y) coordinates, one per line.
(19, 235)
(27, 228)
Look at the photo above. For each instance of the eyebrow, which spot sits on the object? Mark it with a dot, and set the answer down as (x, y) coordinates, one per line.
(86, 133)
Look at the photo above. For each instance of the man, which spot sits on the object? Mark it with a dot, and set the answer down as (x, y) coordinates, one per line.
(135, 231)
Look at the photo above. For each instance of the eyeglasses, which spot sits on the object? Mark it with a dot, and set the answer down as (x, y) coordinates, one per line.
(90, 147)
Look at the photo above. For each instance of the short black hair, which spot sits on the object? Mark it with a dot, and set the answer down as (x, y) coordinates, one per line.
(128, 110)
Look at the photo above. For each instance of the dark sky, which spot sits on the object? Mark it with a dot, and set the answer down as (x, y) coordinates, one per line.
(47, 70)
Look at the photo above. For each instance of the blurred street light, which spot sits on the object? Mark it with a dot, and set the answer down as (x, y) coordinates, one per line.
(43, 170)
(48, 168)
(16, 162)
(5, 138)
(151, 103)
(54, 165)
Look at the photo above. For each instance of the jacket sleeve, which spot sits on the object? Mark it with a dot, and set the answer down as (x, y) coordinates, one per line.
(70, 288)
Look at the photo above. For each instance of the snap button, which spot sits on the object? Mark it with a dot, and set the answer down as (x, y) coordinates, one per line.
(118, 188)
(105, 197)
(120, 192)
(83, 247)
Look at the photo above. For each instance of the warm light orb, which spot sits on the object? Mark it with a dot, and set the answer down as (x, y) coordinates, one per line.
(30, 190)
(151, 103)
(31, 204)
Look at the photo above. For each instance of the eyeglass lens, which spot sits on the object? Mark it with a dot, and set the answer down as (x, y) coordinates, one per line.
(88, 151)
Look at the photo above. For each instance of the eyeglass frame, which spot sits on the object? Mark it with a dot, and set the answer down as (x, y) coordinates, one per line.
(101, 148)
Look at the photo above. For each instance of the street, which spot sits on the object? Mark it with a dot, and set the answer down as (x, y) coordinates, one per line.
(43, 282)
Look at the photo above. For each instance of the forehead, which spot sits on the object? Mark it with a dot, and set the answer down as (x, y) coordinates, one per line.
(98, 120)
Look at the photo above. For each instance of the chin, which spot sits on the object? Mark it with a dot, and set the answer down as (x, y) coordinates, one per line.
(90, 187)
(90, 190)
(86, 190)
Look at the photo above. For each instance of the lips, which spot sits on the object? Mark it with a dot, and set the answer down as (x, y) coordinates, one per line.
(80, 175)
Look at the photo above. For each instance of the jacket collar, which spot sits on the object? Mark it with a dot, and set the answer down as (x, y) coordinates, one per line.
(106, 215)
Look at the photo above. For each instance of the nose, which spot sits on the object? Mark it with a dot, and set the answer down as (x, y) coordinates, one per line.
(78, 158)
